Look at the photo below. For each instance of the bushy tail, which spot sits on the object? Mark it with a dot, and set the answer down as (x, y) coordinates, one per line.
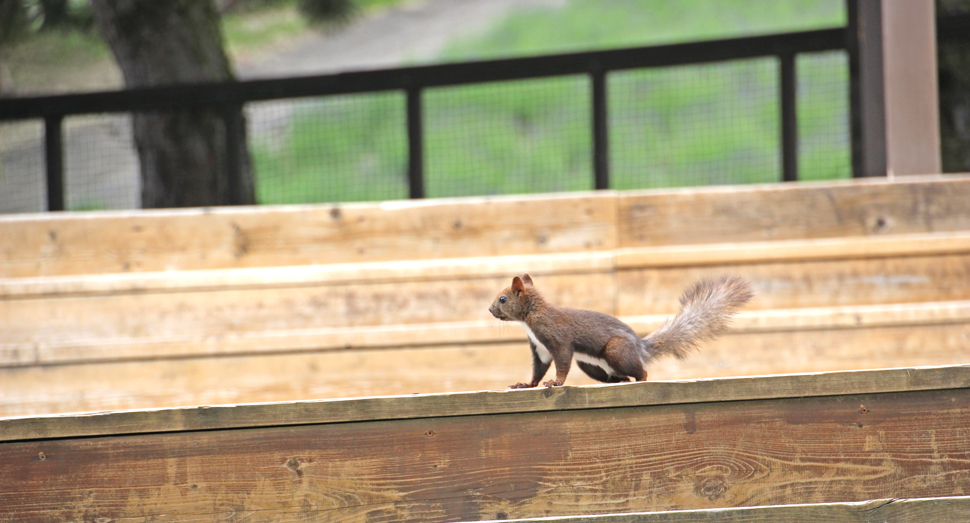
(705, 309)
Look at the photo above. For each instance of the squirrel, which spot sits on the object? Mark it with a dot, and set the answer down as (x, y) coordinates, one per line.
(605, 348)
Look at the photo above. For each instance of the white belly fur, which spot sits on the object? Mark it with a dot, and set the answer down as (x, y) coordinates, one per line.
(545, 356)
(593, 360)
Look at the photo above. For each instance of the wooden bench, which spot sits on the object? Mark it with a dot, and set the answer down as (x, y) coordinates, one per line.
(830, 438)
(163, 308)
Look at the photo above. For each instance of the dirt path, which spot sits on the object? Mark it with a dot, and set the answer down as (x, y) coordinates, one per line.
(416, 32)
(100, 160)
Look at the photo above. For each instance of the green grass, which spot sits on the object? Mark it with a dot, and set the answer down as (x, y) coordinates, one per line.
(249, 31)
(668, 127)
(273, 22)
(360, 139)
(602, 24)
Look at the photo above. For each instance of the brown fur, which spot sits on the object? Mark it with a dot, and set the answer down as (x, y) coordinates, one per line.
(602, 340)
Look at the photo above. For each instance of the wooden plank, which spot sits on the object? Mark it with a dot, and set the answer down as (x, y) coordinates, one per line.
(954, 509)
(198, 239)
(821, 283)
(308, 275)
(313, 308)
(31, 391)
(470, 334)
(807, 449)
(793, 211)
(904, 245)
(268, 236)
(249, 378)
(819, 350)
(57, 324)
(896, 245)
(481, 403)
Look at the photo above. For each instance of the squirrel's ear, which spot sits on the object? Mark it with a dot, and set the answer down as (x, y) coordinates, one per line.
(527, 279)
(517, 285)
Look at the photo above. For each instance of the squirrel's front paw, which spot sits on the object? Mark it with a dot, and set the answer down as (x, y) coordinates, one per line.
(521, 386)
(552, 383)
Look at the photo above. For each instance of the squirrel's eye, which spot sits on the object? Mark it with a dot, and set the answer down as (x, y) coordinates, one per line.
(502, 299)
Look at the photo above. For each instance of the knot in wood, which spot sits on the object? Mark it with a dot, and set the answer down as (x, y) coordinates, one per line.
(711, 488)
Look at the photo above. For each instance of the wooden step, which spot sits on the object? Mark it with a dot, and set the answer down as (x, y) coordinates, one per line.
(571, 451)
(312, 307)
(59, 244)
(277, 236)
(454, 357)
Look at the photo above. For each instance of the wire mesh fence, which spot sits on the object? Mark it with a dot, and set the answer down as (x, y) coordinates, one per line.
(22, 181)
(824, 137)
(340, 148)
(695, 125)
(101, 163)
(711, 123)
(510, 137)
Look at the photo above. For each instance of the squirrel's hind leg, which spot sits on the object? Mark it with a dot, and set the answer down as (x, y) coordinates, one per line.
(623, 355)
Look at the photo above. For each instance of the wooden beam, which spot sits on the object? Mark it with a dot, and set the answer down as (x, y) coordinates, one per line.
(271, 236)
(473, 335)
(883, 246)
(793, 211)
(894, 87)
(239, 238)
(483, 403)
(402, 304)
(407, 271)
(836, 438)
(943, 510)
(51, 330)
(240, 377)
(912, 93)
(896, 245)
(789, 285)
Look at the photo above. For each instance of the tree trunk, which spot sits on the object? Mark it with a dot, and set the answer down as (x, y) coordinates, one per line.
(954, 66)
(182, 154)
(55, 13)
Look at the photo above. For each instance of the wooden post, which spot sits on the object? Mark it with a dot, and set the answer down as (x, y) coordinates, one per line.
(895, 110)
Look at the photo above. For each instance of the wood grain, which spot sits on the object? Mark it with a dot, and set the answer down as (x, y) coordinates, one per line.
(954, 509)
(268, 236)
(915, 204)
(821, 449)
